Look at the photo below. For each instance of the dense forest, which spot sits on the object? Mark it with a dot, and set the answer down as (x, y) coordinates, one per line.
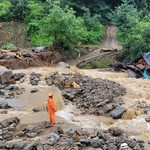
(69, 22)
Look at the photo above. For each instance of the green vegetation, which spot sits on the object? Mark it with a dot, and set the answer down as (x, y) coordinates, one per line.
(102, 62)
(65, 23)
(8, 46)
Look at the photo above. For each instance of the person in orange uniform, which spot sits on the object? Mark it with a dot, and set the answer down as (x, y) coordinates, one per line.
(51, 108)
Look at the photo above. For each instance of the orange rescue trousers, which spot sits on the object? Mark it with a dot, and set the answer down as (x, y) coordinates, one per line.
(51, 110)
(52, 118)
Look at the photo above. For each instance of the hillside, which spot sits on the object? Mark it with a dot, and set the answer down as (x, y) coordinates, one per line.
(15, 33)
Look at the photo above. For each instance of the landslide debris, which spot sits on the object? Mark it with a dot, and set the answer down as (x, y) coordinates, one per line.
(28, 137)
(90, 95)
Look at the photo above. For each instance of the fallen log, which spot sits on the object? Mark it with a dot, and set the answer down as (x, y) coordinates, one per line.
(108, 50)
(8, 51)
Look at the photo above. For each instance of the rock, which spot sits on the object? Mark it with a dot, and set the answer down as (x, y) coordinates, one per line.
(140, 141)
(34, 90)
(111, 146)
(5, 75)
(71, 132)
(20, 145)
(84, 140)
(31, 135)
(26, 54)
(12, 127)
(52, 74)
(62, 64)
(147, 119)
(18, 76)
(8, 55)
(11, 87)
(117, 113)
(53, 138)
(36, 109)
(108, 107)
(132, 143)
(79, 132)
(130, 74)
(116, 131)
(20, 133)
(4, 105)
(35, 128)
(76, 138)
(109, 97)
(95, 144)
(2, 144)
(60, 130)
(39, 147)
(100, 112)
(8, 136)
(7, 94)
(29, 147)
(7, 122)
(49, 82)
(1, 131)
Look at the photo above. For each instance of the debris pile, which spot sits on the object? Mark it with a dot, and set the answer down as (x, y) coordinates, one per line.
(60, 139)
(140, 66)
(90, 95)
(20, 59)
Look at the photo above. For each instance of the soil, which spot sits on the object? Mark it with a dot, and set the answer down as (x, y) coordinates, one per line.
(47, 58)
(15, 33)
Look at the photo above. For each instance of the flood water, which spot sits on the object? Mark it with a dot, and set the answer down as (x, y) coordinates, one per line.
(137, 90)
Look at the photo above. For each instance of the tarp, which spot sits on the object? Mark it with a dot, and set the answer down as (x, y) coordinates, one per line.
(146, 56)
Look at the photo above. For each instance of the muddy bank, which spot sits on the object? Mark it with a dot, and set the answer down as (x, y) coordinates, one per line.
(26, 59)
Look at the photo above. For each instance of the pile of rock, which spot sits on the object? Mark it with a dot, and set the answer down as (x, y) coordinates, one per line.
(8, 128)
(90, 95)
(17, 76)
(8, 132)
(35, 78)
(11, 91)
(110, 139)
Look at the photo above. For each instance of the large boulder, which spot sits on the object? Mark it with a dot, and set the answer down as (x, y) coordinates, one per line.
(117, 113)
(130, 74)
(62, 64)
(5, 75)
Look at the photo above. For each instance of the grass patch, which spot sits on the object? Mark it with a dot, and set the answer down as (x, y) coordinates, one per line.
(100, 62)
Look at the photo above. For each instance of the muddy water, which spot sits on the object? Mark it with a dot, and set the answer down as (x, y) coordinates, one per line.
(137, 90)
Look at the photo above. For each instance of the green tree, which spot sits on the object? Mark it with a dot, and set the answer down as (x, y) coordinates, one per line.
(18, 10)
(103, 10)
(63, 26)
(95, 29)
(119, 15)
(135, 39)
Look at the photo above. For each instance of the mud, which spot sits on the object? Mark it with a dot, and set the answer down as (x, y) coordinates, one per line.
(47, 58)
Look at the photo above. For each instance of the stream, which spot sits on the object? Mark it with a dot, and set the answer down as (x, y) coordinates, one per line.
(137, 90)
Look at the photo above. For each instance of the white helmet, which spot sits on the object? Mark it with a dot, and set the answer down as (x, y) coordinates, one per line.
(123, 145)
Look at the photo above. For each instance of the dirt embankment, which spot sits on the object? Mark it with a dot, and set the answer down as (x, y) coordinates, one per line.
(29, 59)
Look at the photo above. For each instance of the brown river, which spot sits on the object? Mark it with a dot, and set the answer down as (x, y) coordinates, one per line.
(137, 90)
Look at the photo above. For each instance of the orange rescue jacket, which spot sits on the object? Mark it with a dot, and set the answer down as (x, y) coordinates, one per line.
(51, 106)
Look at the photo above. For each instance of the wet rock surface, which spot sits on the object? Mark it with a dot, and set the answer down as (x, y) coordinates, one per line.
(5, 75)
(35, 78)
(17, 76)
(90, 95)
(65, 140)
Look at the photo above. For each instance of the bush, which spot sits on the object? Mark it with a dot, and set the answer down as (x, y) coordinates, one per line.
(135, 39)
(62, 27)
(95, 30)
(8, 46)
